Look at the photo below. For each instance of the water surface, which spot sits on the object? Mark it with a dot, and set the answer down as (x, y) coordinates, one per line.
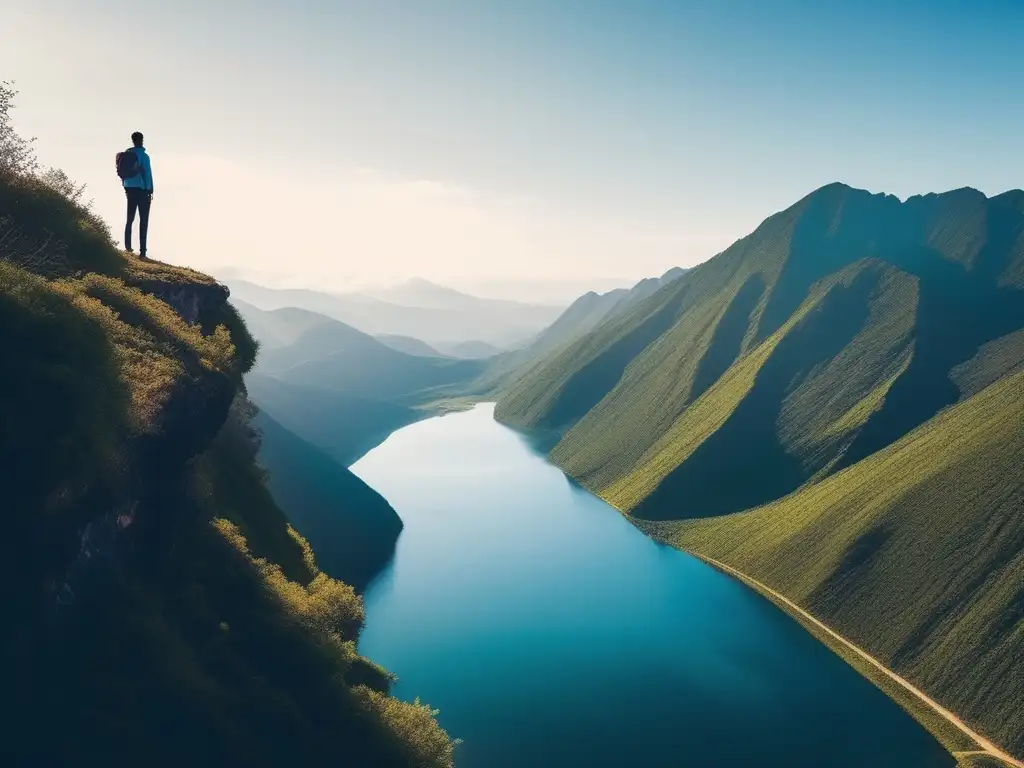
(550, 632)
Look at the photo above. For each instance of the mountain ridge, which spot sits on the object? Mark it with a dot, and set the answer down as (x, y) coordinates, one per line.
(751, 409)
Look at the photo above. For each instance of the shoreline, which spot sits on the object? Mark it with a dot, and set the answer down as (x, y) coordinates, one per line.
(943, 724)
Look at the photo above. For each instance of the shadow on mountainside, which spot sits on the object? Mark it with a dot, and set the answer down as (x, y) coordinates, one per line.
(743, 464)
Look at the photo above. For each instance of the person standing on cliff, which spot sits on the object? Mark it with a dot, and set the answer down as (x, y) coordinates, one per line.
(136, 172)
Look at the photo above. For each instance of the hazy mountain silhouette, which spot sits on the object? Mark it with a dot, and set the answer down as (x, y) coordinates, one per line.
(448, 316)
(409, 345)
(343, 425)
(471, 350)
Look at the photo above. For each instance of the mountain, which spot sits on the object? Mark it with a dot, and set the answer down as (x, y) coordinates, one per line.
(449, 317)
(328, 354)
(927, 533)
(156, 597)
(345, 426)
(472, 350)
(780, 374)
(350, 526)
(418, 292)
(801, 328)
(588, 311)
(338, 388)
(581, 317)
(554, 291)
(409, 345)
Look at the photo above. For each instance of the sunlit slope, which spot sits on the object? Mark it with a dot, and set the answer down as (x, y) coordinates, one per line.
(641, 399)
(916, 553)
(787, 410)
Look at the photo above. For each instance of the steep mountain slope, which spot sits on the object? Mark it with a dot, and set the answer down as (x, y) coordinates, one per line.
(788, 410)
(156, 597)
(350, 526)
(581, 317)
(916, 552)
(503, 324)
(833, 406)
(725, 363)
(591, 309)
(345, 426)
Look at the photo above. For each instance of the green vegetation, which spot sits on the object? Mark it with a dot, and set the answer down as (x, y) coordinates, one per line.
(618, 393)
(916, 553)
(831, 405)
(159, 602)
(786, 410)
(351, 527)
(581, 317)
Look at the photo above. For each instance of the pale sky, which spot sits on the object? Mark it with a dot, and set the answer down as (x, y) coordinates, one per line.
(335, 143)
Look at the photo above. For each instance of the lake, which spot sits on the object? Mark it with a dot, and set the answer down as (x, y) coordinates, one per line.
(549, 631)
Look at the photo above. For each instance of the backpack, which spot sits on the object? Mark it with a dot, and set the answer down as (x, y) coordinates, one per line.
(128, 165)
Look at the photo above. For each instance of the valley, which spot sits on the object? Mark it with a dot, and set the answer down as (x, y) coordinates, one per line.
(501, 385)
(802, 408)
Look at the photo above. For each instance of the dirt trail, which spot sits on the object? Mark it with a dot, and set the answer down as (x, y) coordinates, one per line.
(984, 745)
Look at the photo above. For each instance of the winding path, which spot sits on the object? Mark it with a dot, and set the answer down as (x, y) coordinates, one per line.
(985, 746)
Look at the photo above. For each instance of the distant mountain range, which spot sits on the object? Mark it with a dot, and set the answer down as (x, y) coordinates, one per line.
(581, 317)
(834, 406)
(339, 388)
(417, 309)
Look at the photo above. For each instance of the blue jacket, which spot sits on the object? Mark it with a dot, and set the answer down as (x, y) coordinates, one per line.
(142, 180)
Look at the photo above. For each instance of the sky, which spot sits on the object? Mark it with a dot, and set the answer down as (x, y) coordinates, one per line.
(505, 146)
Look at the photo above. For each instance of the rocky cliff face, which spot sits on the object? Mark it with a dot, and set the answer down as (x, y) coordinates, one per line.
(142, 497)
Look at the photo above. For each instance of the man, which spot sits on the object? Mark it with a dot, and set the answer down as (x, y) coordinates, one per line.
(139, 191)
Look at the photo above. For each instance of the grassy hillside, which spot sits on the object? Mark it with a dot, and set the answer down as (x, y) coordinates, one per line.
(916, 553)
(158, 601)
(787, 411)
(579, 319)
(833, 406)
(626, 395)
(350, 526)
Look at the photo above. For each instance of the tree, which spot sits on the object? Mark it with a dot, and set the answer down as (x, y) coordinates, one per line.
(17, 155)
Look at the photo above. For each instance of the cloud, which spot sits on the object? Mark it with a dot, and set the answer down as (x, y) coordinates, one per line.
(357, 227)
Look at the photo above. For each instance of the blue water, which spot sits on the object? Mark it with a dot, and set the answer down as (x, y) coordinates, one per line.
(550, 632)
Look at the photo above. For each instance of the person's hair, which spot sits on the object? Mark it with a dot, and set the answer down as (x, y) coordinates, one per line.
(137, 139)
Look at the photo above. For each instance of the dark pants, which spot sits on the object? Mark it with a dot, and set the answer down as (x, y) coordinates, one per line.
(138, 199)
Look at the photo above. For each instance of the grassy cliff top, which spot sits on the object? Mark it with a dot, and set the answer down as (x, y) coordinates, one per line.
(158, 597)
